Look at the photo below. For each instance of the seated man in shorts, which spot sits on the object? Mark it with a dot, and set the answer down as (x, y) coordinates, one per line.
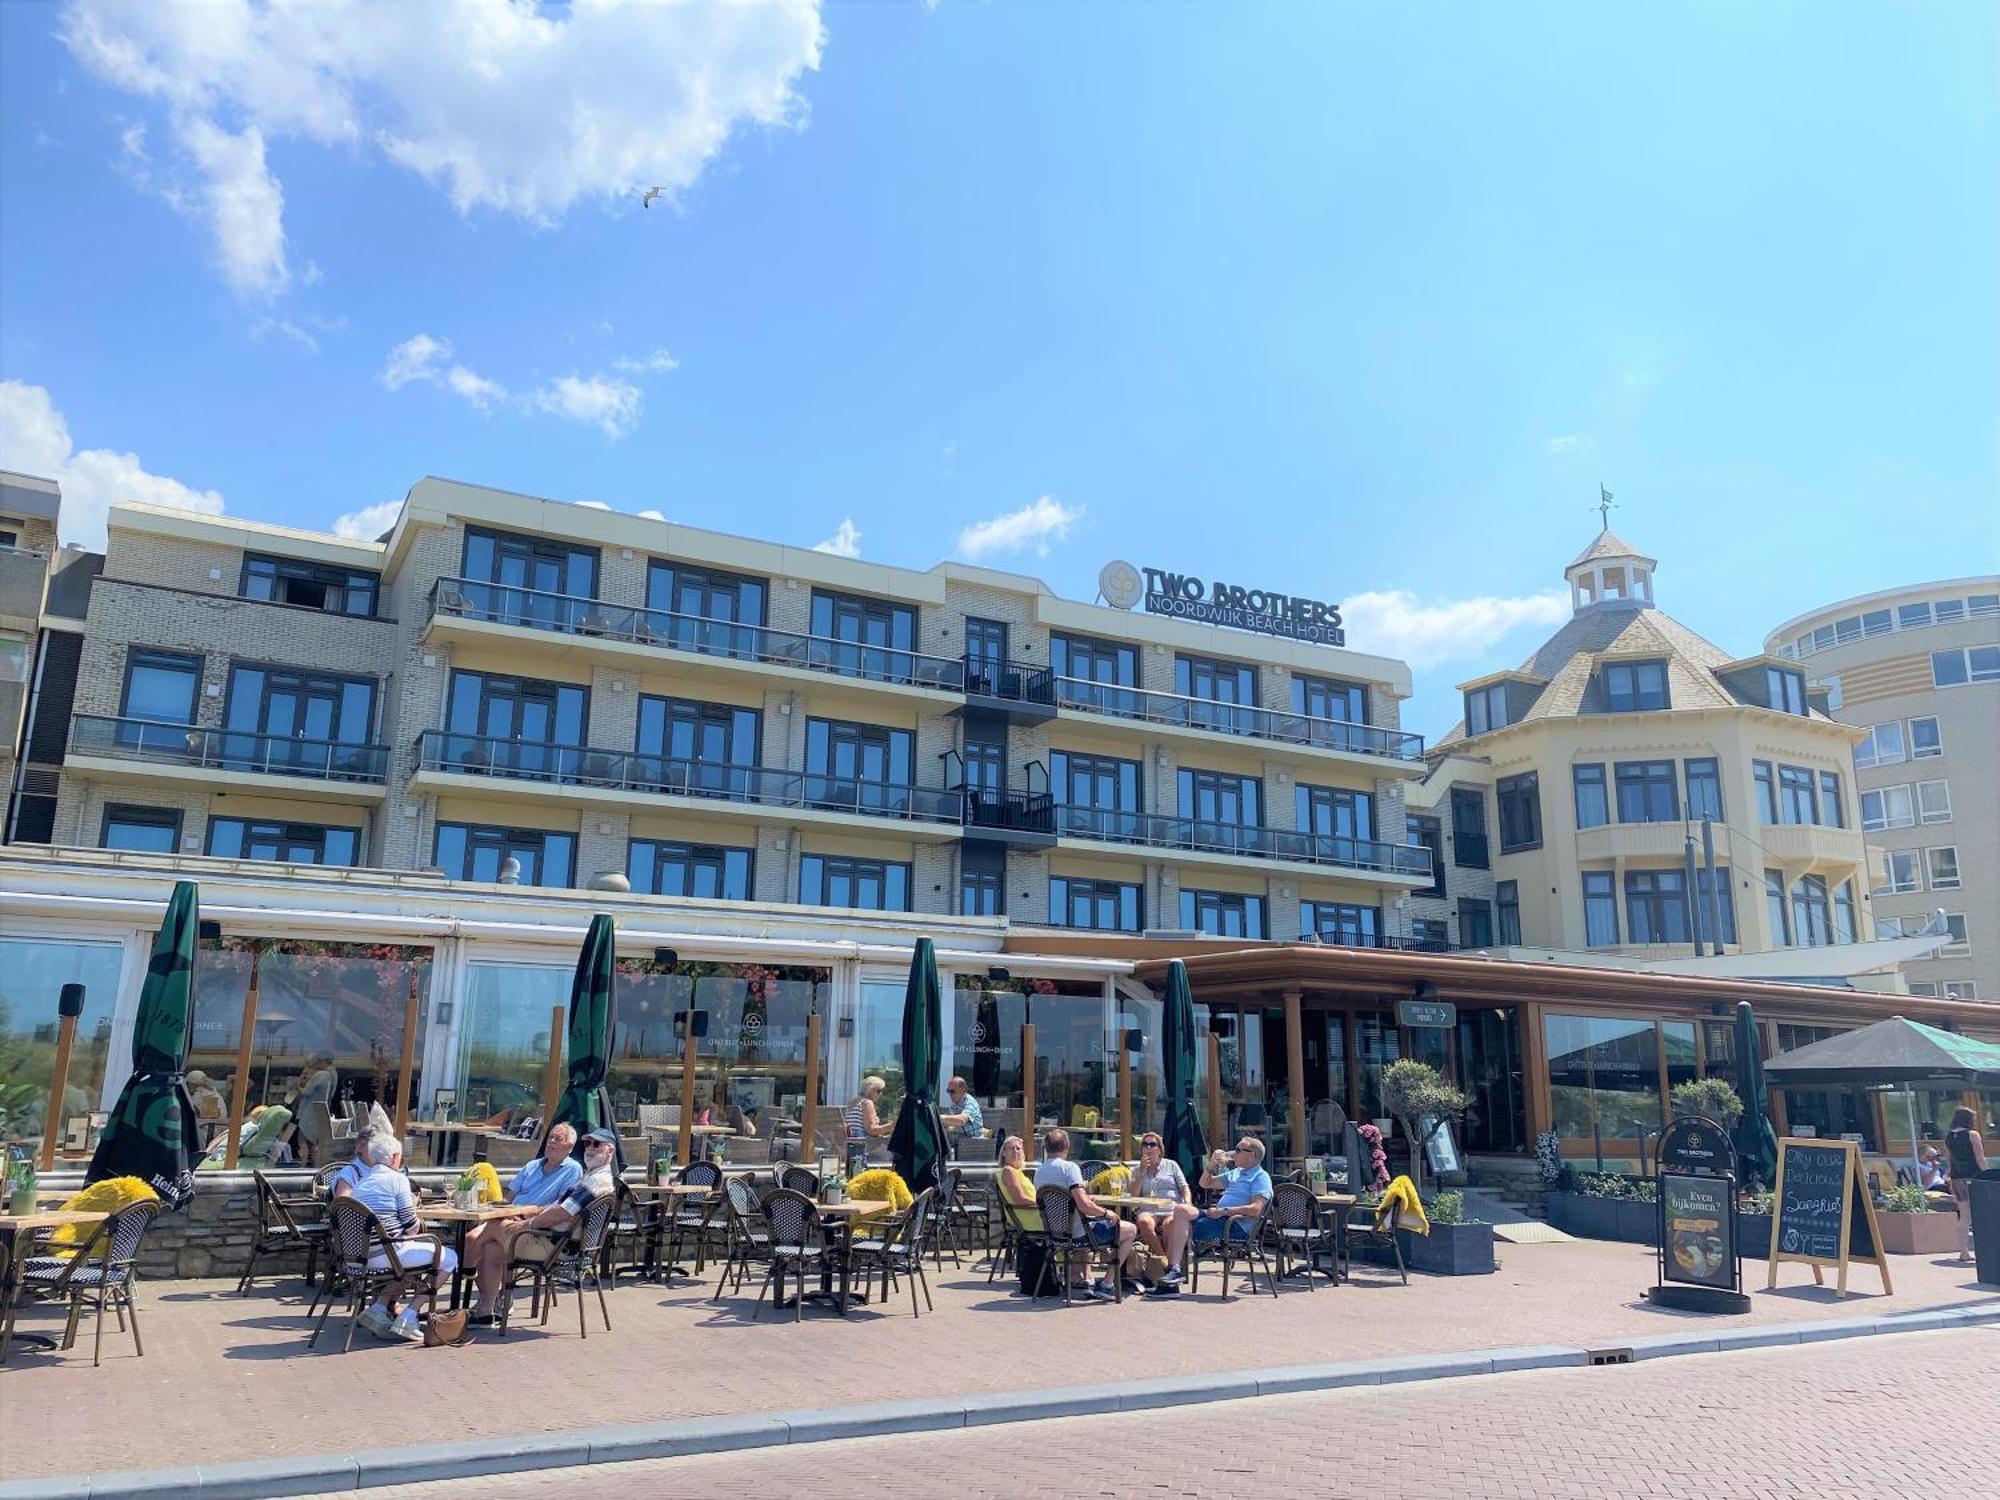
(1104, 1228)
(384, 1190)
(1246, 1193)
(537, 1238)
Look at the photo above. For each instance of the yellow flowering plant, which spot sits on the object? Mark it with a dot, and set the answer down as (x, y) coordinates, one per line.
(1112, 1180)
(880, 1185)
(482, 1176)
(105, 1197)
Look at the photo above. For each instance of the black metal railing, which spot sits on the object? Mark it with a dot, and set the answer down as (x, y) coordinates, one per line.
(1470, 850)
(226, 749)
(1177, 709)
(1009, 681)
(1249, 840)
(659, 775)
(1024, 812)
(569, 614)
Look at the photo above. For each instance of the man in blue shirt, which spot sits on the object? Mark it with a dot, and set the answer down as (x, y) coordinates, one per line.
(597, 1176)
(962, 1117)
(1246, 1193)
(545, 1179)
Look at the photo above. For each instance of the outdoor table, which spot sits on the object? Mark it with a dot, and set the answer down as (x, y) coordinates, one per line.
(673, 1190)
(836, 1222)
(1337, 1205)
(14, 1228)
(1132, 1201)
(463, 1219)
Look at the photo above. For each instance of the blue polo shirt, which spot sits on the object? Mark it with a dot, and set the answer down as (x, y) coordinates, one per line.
(539, 1186)
(1240, 1185)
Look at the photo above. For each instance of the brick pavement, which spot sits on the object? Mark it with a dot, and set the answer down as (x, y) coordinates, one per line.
(1720, 1426)
(673, 1353)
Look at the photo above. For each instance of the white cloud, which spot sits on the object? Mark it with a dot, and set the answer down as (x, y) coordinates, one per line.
(285, 328)
(416, 358)
(34, 439)
(1569, 442)
(1394, 622)
(659, 362)
(625, 95)
(1035, 525)
(367, 523)
(612, 404)
(845, 541)
(481, 392)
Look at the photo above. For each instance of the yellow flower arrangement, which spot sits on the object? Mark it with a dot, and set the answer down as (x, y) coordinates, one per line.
(105, 1197)
(1112, 1180)
(482, 1176)
(880, 1185)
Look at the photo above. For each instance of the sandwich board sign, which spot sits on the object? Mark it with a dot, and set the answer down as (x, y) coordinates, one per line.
(1823, 1214)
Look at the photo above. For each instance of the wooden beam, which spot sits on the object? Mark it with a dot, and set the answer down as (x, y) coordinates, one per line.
(58, 1083)
(1215, 1116)
(690, 1044)
(1295, 1066)
(1028, 1090)
(239, 1091)
(809, 1110)
(1124, 1098)
(408, 1064)
(552, 1074)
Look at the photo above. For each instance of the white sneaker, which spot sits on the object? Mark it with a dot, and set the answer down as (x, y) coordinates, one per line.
(407, 1328)
(377, 1322)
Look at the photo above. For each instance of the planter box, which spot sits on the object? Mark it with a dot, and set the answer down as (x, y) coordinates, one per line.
(1604, 1218)
(1450, 1249)
(1753, 1236)
(1919, 1234)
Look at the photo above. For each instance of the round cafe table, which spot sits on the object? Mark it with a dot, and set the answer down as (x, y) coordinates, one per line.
(462, 1220)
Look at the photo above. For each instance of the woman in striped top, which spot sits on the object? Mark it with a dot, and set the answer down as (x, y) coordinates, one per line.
(863, 1123)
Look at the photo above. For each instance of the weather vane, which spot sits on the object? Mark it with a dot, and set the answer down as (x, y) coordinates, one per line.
(1605, 505)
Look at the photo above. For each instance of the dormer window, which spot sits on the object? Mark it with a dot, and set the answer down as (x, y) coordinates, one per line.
(1634, 686)
(1785, 690)
(1486, 708)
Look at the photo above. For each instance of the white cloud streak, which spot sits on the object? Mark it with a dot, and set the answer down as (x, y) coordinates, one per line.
(1569, 442)
(421, 358)
(845, 541)
(34, 439)
(1035, 525)
(367, 523)
(1394, 622)
(659, 362)
(613, 405)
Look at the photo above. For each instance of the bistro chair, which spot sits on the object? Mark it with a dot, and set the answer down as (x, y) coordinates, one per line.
(969, 1211)
(359, 1241)
(1231, 1248)
(1371, 1228)
(1091, 1167)
(687, 1220)
(280, 1232)
(793, 1219)
(900, 1252)
(633, 1232)
(745, 1238)
(939, 1227)
(799, 1180)
(1065, 1236)
(578, 1258)
(1300, 1231)
(103, 1271)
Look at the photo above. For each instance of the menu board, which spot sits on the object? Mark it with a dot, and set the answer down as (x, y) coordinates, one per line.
(1698, 1230)
(1823, 1215)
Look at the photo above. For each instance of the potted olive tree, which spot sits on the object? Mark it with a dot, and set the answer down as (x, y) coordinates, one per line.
(1414, 1092)
(1425, 1103)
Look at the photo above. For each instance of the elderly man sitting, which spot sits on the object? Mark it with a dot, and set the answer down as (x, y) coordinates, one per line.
(962, 1118)
(384, 1189)
(541, 1233)
(1246, 1193)
(549, 1178)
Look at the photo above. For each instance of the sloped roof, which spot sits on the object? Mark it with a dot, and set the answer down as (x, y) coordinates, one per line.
(1608, 543)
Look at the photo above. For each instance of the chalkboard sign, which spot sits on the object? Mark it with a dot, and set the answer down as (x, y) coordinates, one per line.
(1823, 1215)
(1698, 1230)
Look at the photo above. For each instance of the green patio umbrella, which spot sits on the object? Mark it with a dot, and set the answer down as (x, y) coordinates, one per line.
(153, 1129)
(1183, 1137)
(593, 1021)
(917, 1144)
(1756, 1142)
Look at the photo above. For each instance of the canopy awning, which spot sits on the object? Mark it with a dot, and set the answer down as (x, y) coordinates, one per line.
(1895, 1051)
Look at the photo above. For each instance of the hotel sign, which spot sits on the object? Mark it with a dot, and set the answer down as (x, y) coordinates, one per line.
(1185, 596)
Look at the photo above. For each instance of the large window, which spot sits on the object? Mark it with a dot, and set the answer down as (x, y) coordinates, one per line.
(534, 563)
(1341, 923)
(1507, 910)
(1777, 909)
(1887, 807)
(1520, 800)
(1468, 827)
(1925, 741)
(286, 843)
(1933, 802)
(1329, 698)
(469, 851)
(1767, 791)
(713, 872)
(1966, 665)
(702, 734)
(1656, 906)
(1428, 833)
(288, 580)
(874, 635)
(1646, 792)
(1785, 690)
(865, 766)
(1797, 804)
(1600, 909)
(1635, 686)
(284, 719)
(1899, 873)
(142, 830)
(1228, 914)
(1704, 789)
(1098, 905)
(1220, 799)
(1475, 923)
(1592, 808)
(1812, 913)
(857, 884)
(1832, 810)
(1724, 908)
(705, 610)
(518, 724)
(1942, 864)
(1103, 662)
(1486, 708)
(160, 688)
(1845, 926)
(1883, 746)
(1098, 794)
(1604, 1082)
(1216, 681)
(33, 972)
(982, 881)
(1333, 813)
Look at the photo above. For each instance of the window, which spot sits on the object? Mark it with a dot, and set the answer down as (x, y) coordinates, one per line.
(710, 872)
(985, 654)
(1942, 866)
(856, 884)
(286, 843)
(1925, 741)
(1331, 812)
(1844, 926)
(985, 755)
(1428, 833)
(874, 637)
(1520, 799)
(1723, 925)
(1341, 923)
(1831, 812)
(1812, 919)
(1091, 660)
(1475, 923)
(1220, 800)
(1486, 708)
(1961, 989)
(531, 563)
(1592, 810)
(1887, 807)
(1969, 664)
(1899, 873)
(1600, 909)
(143, 830)
(1933, 802)
(1767, 791)
(285, 720)
(1704, 785)
(1961, 941)
(519, 724)
(982, 882)
(1776, 909)
(1635, 686)
(1095, 905)
(467, 851)
(1882, 747)
(1215, 681)
(1468, 828)
(1097, 796)
(1430, 935)
(1223, 913)
(1785, 690)
(864, 767)
(1507, 907)
(284, 580)
(160, 686)
(1949, 611)
(699, 734)
(1797, 805)
(1656, 906)
(1982, 604)
(1646, 792)
(705, 610)
(1329, 698)
(1913, 616)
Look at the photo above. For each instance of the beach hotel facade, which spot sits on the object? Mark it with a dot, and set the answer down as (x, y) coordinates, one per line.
(406, 771)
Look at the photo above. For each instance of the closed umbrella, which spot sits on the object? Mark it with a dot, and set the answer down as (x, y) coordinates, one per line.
(153, 1128)
(1183, 1137)
(917, 1143)
(1756, 1142)
(593, 1018)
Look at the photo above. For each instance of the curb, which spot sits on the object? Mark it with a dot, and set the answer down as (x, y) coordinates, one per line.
(684, 1437)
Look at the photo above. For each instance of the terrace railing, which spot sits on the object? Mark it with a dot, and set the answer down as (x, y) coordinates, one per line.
(1085, 696)
(1248, 840)
(226, 749)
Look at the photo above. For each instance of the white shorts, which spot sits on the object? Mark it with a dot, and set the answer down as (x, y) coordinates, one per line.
(416, 1255)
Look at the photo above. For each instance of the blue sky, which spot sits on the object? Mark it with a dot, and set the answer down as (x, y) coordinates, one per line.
(1338, 302)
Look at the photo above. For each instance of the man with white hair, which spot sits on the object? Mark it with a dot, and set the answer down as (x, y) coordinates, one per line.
(385, 1190)
(539, 1238)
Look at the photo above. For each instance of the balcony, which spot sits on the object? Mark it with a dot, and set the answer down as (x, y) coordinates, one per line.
(585, 622)
(1015, 691)
(141, 749)
(1233, 841)
(727, 790)
(1204, 715)
(1022, 820)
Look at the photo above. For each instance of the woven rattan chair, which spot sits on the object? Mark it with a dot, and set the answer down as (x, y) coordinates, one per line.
(1299, 1231)
(280, 1231)
(799, 1180)
(900, 1252)
(579, 1259)
(1247, 1247)
(747, 1239)
(359, 1238)
(1065, 1236)
(688, 1222)
(793, 1222)
(1372, 1228)
(102, 1271)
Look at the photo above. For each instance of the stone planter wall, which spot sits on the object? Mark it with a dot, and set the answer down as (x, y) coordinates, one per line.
(1623, 1219)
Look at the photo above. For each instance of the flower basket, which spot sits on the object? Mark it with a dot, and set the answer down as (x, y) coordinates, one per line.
(880, 1185)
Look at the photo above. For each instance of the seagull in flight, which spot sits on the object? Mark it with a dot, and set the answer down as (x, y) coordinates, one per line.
(651, 194)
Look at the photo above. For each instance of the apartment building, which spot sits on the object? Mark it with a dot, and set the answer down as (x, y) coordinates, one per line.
(1918, 669)
(504, 689)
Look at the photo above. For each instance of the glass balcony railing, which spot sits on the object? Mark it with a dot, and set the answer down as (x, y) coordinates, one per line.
(227, 749)
(567, 614)
(1084, 696)
(658, 775)
(1248, 840)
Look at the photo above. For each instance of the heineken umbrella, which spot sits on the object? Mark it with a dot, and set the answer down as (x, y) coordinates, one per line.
(1183, 1137)
(1756, 1142)
(1894, 1051)
(917, 1144)
(593, 1021)
(153, 1130)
